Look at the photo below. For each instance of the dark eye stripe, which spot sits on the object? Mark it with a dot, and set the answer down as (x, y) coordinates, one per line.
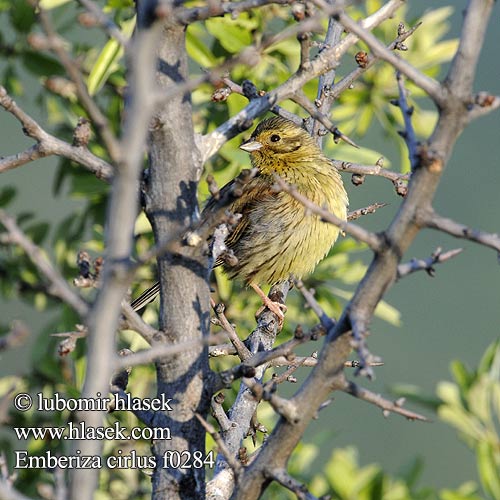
(275, 138)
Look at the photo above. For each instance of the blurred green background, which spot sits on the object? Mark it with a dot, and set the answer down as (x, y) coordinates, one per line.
(454, 315)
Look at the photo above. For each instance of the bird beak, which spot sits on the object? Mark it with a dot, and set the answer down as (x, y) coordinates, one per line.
(251, 145)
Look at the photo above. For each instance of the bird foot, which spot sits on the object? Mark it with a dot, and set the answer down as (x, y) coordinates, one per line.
(277, 308)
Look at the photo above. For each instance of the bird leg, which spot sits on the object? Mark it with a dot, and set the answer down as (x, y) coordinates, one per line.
(276, 307)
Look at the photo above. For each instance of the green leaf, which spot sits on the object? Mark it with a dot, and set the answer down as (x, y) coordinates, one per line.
(491, 354)
(197, 48)
(38, 232)
(40, 64)
(488, 470)
(107, 61)
(231, 34)
(120, 4)
(461, 374)
(12, 82)
(7, 194)
(22, 15)
(52, 4)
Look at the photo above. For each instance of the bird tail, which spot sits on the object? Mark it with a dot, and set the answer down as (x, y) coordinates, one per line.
(146, 297)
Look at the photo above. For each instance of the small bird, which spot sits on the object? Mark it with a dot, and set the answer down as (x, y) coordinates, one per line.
(277, 238)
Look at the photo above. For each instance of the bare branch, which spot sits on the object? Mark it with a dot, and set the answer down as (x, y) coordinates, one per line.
(98, 118)
(221, 446)
(449, 226)
(48, 145)
(68, 344)
(366, 359)
(325, 61)
(240, 347)
(376, 170)
(427, 265)
(360, 212)
(324, 96)
(222, 350)
(121, 215)
(367, 62)
(377, 400)
(58, 286)
(409, 133)
(460, 78)
(104, 21)
(136, 323)
(218, 411)
(219, 8)
(300, 490)
(160, 350)
(431, 86)
(484, 103)
(326, 321)
(284, 407)
(301, 99)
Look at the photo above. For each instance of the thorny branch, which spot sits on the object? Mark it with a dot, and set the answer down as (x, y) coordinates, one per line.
(98, 118)
(326, 60)
(48, 145)
(415, 213)
(377, 400)
(427, 265)
(382, 272)
(58, 286)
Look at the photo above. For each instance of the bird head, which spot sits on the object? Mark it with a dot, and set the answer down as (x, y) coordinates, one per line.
(278, 137)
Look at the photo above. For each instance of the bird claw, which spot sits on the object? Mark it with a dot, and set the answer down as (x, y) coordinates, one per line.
(277, 308)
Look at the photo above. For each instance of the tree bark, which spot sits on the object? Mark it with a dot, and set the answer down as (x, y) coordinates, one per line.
(171, 205)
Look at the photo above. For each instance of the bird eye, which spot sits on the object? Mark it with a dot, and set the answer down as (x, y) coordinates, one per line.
(275, 138)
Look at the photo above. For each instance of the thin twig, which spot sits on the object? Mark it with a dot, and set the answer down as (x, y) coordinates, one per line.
(428, 84)
(284, 407)
(136, 323)
(58, 286)
(324, 97)
(299, 489)
(357, 232)
(326, 60)
(360, 212)
(301, 99)
(96, 115)
(48, 145)
(161, 350)
(348, 80)
(367, 360)
(377, 400)
(238, 344)
(221, 445)
(449, 226)
(218, 412)
(409, 132)
(326, 321)
(104, 21)
(376, 170)
(427, 265)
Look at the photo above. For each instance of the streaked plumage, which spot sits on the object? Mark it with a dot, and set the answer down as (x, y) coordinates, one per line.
(276, 237)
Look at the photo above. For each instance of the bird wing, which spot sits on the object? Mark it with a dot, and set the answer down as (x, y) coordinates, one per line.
(256, 191)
